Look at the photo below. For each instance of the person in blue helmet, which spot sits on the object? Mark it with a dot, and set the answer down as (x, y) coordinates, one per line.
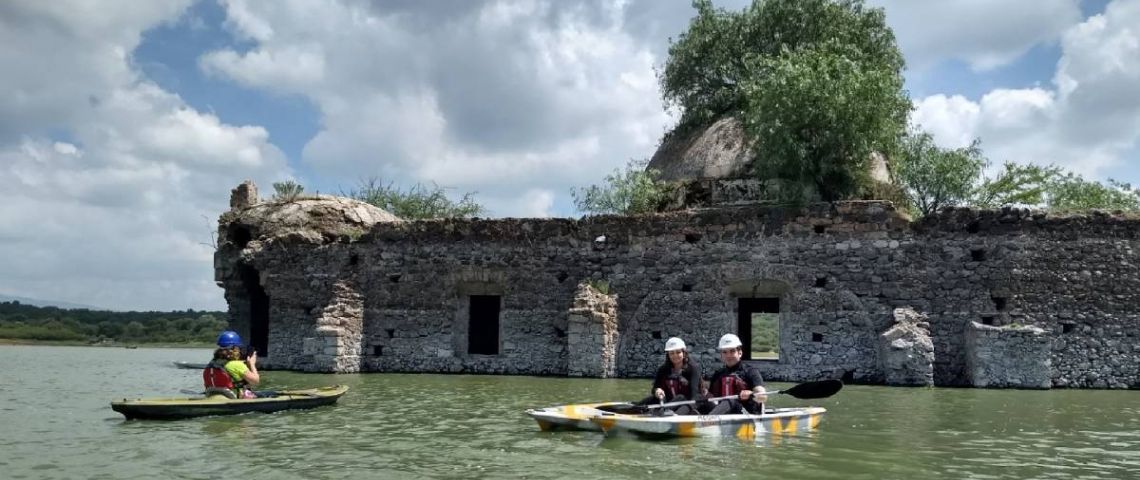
(227, 374)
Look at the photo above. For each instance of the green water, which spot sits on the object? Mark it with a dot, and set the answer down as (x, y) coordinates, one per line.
(56, 422)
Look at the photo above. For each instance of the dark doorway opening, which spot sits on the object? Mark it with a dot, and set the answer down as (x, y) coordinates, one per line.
(483, 329)
(758, 326)
(258, 310)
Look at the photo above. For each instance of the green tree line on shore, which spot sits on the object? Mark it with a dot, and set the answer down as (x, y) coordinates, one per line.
(51, 324)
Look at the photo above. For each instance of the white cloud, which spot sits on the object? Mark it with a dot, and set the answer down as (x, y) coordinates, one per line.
(1087, 122)
(483, 98)
(983, 33)
(112, 185)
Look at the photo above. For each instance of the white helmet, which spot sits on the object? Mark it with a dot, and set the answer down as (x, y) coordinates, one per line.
(674, 344)
(728, 341)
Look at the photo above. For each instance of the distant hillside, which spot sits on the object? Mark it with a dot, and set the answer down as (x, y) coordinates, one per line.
(21, 321)
(46, 303)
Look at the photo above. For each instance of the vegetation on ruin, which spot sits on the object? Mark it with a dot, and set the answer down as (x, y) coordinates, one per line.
(934, 177)
(818, 84)
(417, 202)
(630, 191)
(287, 191)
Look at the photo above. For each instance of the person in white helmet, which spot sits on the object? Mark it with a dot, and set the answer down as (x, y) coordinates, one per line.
(677, 379)
(737, 379)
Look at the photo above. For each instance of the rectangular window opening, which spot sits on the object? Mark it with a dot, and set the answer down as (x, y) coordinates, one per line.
(483, 326)
(758, 326)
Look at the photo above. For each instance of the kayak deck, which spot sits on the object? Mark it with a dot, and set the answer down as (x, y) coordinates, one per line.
(572, 417)
(178, 408)
(744, 426)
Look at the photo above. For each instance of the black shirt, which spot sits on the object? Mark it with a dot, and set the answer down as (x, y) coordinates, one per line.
(690, 379)
(747, 373)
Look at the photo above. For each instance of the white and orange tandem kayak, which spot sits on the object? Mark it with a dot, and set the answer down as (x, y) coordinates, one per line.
(744, 426)
(573, 417)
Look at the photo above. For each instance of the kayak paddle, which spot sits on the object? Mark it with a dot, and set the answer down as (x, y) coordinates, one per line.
(803, 391)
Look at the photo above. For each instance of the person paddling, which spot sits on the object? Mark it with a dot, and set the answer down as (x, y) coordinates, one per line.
(677, 379)
(735, 378)
(227, 374)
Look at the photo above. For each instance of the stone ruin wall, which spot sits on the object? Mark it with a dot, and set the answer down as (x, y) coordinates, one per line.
(393, 297)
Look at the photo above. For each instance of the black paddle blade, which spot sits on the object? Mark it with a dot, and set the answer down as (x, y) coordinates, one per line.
(820, 389)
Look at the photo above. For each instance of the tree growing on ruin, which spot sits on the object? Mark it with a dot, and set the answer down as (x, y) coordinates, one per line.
(417, 202)
(630, 191)
(818, 84)
(1073, 192)
(934, 177)
(287, 191)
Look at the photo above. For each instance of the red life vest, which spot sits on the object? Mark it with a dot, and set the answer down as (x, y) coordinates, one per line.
(676, 385)
(729, 385)
(217, 380)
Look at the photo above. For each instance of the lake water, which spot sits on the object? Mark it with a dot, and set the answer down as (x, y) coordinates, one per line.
(56, 422)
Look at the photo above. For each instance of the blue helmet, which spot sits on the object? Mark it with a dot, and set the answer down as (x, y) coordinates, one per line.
(229, 338)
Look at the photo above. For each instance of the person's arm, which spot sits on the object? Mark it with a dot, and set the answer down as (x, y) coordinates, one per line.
(252, 377)
(753, 377)
(694, 381)
(658, 389)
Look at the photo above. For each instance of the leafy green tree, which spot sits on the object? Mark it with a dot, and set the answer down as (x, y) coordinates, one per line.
(935, 177)
(818, 116)
(418, 202)
(818, 84)
(1015, 185)
(711, 62)
(632, 191)
(1073, 192)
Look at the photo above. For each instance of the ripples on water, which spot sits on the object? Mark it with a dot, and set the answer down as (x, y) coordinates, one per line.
(57, 424)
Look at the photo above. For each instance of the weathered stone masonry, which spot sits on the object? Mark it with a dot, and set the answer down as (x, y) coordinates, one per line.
(335, 285)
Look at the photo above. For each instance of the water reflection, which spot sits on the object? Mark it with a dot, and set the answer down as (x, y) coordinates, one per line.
(438, 426)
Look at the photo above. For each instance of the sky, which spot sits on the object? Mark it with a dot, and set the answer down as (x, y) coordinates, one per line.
(124, 124)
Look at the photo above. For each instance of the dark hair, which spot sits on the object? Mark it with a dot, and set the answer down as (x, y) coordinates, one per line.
(684, 361)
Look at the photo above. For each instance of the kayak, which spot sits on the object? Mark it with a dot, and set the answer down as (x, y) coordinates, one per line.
(178, 408)
(190, 365)
(573, 417)
(744, 426)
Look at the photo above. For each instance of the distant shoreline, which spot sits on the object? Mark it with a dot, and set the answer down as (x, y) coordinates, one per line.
(73, 343)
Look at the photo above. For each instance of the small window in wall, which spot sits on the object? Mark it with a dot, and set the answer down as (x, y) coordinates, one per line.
(759, 327)
(483, 326)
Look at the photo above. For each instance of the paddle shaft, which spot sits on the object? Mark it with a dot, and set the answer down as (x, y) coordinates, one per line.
(690, 402)
(187, 391)
(808, 390)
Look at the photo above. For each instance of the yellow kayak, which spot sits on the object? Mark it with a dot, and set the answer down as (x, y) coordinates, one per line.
(178, 408)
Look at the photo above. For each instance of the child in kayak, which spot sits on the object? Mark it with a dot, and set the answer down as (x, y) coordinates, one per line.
(677, 379)
(736, 378)
(227, 374)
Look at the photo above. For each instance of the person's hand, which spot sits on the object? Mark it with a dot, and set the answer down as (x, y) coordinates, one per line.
(758, 394)
(659, 393)
(252, 359)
